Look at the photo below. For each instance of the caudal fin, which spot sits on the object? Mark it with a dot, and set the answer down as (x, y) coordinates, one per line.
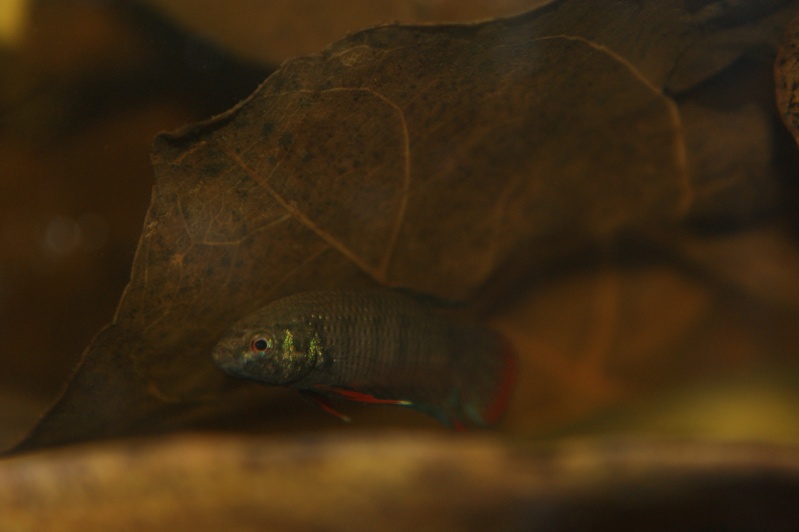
(504, 389)
(487, 376)
(475, 391)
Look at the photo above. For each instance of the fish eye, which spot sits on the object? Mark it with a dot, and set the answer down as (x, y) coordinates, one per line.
(260, 343)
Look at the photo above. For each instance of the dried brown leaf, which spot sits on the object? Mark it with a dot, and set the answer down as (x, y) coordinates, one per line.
(786, 71)
(424, 157)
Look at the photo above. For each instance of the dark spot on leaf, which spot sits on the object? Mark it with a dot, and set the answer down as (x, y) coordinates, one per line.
(286, 140)
(213, 168)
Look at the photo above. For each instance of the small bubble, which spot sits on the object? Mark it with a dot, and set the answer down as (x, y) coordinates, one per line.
(62, 236)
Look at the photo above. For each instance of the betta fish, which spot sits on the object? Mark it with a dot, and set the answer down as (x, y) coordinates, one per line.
(380, 346)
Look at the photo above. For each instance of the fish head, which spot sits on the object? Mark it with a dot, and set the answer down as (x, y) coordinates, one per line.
(271, 355)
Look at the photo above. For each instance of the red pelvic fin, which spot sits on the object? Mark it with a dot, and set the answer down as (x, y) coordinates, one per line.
(324, 404)
(505, 387)
(352, 395)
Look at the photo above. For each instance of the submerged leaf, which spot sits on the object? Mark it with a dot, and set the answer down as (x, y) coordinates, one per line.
(421, 157)
(787, 78)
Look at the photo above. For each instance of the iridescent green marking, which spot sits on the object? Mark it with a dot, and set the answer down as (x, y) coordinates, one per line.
(288, 343)
(315, 347)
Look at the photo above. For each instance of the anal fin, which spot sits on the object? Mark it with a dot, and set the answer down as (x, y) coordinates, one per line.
(361, 397)
(324, 404)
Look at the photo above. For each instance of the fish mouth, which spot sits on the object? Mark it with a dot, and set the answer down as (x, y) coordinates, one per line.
(226, 355)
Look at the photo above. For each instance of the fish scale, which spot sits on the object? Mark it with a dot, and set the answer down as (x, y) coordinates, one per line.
(379, 346)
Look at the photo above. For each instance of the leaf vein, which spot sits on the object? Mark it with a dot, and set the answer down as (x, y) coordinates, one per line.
(302, 218)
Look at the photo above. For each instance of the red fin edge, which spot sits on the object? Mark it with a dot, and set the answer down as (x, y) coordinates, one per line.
(508, 379)
(324, 404)
(352, 395)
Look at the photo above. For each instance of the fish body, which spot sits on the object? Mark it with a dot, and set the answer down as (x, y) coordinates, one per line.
(378, 346)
